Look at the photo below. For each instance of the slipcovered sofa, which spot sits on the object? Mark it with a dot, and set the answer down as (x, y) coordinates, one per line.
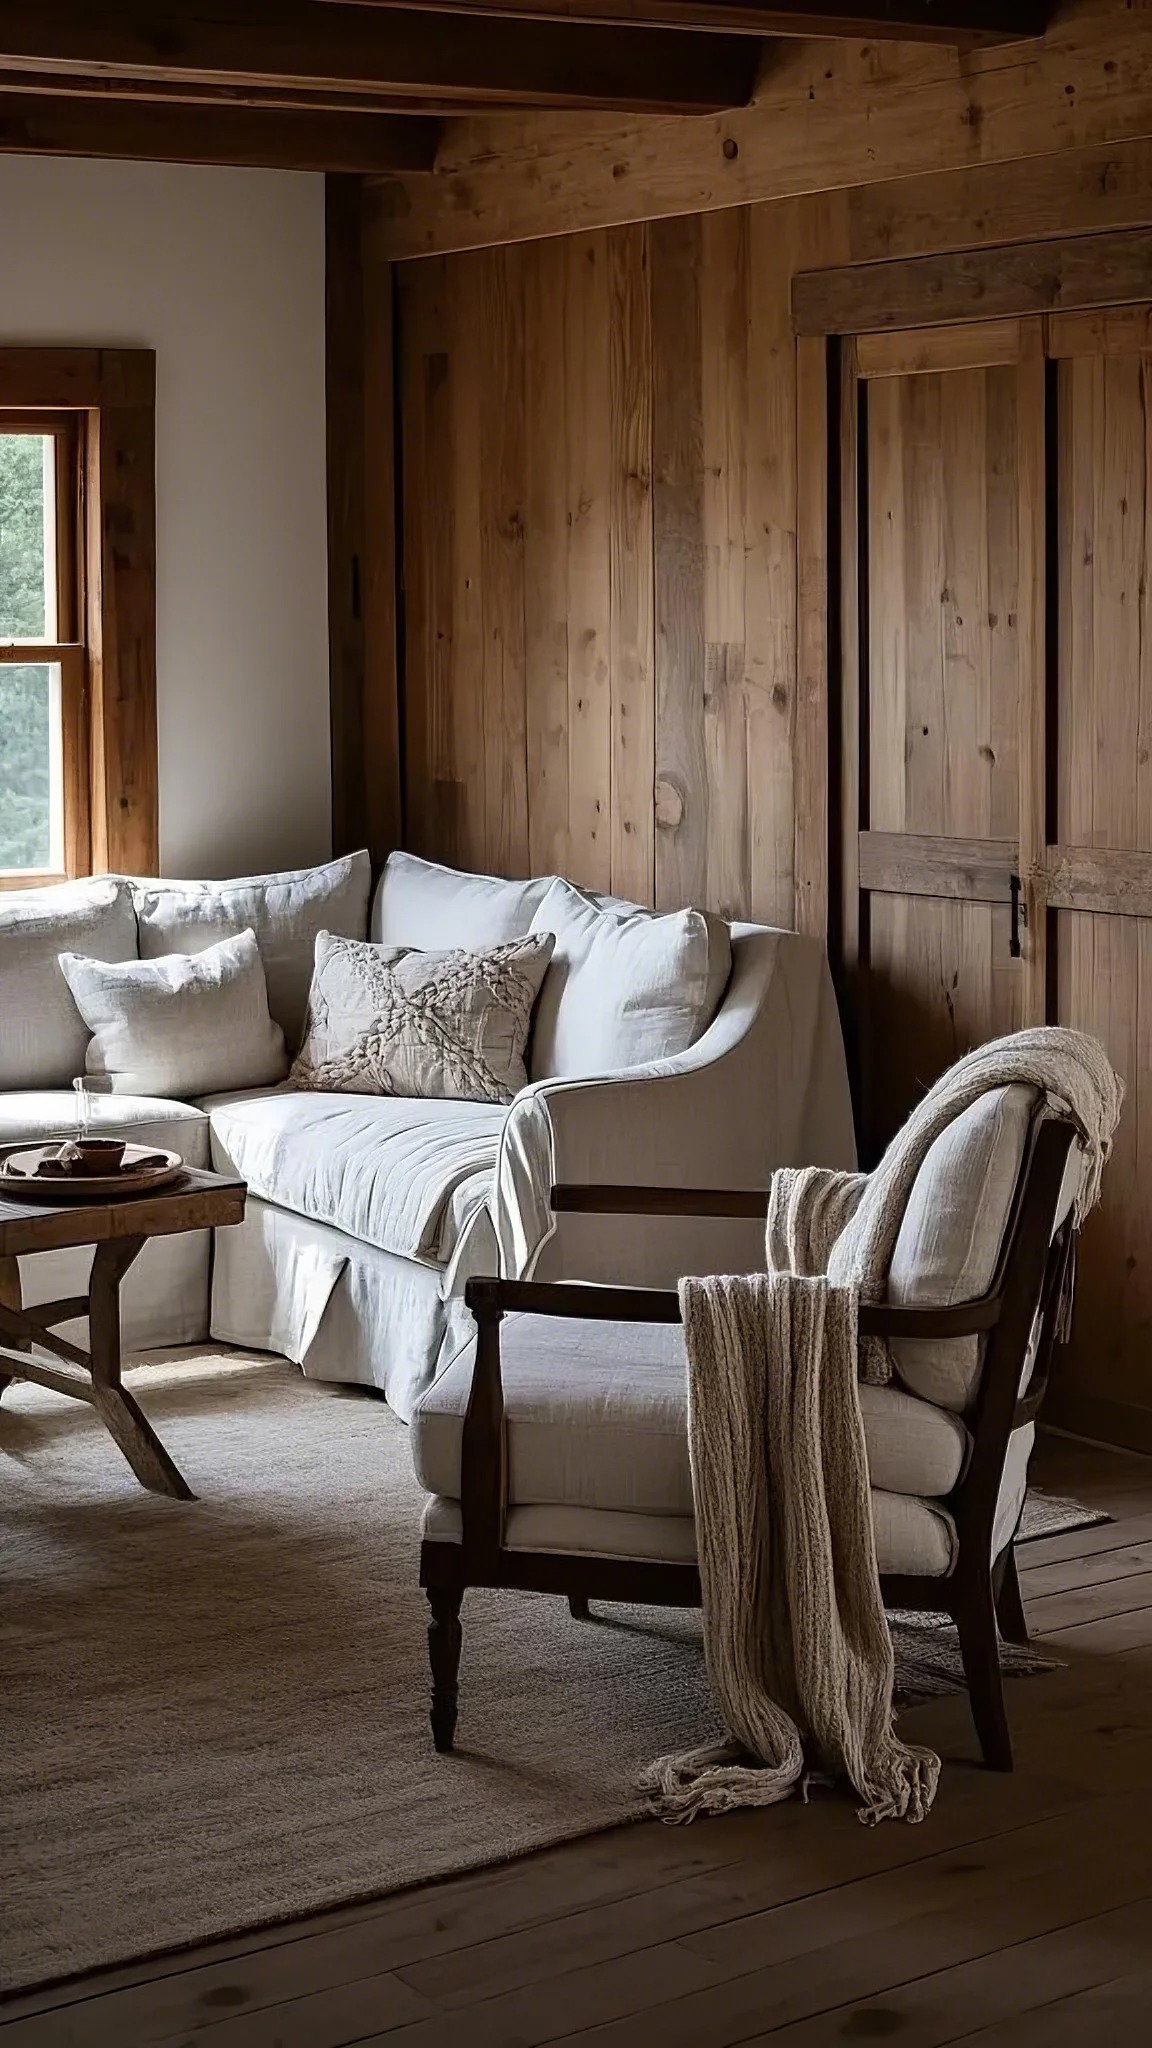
(367, 1214)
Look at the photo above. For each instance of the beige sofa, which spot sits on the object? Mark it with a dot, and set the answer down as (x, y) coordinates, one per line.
(368, 1214)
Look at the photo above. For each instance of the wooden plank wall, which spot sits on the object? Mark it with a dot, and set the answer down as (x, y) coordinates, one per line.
(599, 486)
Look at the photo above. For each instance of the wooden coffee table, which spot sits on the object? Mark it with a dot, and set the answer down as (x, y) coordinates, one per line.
(118, 1228)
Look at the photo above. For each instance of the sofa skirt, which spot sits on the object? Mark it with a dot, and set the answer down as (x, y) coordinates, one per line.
(341, 1310)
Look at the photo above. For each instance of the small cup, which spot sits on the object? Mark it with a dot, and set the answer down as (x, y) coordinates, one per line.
(94, 1156)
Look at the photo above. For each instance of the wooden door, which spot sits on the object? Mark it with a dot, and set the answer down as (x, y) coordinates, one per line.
(940, 661)
(1098, 864)
(996, 746)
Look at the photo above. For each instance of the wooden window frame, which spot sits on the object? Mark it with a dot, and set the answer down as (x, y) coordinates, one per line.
(101, 406)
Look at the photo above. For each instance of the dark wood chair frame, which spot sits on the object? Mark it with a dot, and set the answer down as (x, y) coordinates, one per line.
(1034, 1267)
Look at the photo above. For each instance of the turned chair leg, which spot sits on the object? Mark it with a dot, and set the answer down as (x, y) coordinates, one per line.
(578, 1607)
(444, 1640)
(975, 1612)
(1009, 1604)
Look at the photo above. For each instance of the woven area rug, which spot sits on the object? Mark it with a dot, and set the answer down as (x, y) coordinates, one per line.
(215, 1712)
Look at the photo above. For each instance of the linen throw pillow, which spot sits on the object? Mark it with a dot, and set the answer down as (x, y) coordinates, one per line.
(285, 911)
(623, 989)
(43, 1038)
(419, 903)
(389, 1020)
(182, 1025)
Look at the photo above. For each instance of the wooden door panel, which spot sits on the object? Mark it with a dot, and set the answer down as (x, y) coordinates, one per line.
(1105, 987)
(1105, 640)
(943, 630)
(941, 981)
(937, 524)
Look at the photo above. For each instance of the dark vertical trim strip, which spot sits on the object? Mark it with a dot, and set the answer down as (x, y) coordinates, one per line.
(1051, 485)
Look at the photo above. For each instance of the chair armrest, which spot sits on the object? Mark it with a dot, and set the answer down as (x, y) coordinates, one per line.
(593, 1200)
(491, 1299)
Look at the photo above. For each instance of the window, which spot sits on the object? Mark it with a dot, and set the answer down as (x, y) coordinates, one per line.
(77, 613)
(44, 826)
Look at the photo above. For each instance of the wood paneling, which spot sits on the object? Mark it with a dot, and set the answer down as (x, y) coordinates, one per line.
(362, 565)
(599, 489)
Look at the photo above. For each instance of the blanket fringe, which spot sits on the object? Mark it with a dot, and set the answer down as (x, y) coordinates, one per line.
(716, 1779)
(720, 1777)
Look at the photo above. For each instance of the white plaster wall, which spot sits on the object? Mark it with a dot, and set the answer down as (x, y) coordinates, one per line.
(222, 273)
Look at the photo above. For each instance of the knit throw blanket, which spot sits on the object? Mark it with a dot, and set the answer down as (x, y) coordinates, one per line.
(797, 1645)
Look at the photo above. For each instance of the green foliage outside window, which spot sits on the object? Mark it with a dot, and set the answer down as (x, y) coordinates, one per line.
(25, 736)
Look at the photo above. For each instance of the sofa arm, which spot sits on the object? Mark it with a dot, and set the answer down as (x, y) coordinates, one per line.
(765, 1086)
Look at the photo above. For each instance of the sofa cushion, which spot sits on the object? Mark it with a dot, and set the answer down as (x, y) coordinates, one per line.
(623, 989)
(951, 1234)
(419, 903)
(181, 1024)
(598, 1418)
(285, 911)
(394, 1020)
(381, 1168)
(32, 1116)
(43, 1039)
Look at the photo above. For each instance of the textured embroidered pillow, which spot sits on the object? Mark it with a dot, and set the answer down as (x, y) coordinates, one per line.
(387, 1020)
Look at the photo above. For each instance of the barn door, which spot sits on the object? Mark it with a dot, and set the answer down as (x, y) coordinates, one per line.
(996, 745)
(943, 439)
(1098, 865)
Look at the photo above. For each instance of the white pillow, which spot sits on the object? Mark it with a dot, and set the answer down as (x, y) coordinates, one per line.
(43, 1039)
(183, 1025)
(623, 990)
(285, 911)
(437, 909)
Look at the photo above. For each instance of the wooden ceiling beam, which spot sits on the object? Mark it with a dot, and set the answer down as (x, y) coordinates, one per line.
(960, 22)
(819, 126)
(275, 139)
(308, 45)
(111, 94)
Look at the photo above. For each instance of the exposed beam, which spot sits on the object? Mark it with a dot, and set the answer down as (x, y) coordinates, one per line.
(310, 46)
(960, 22)
(35, 124)
(110, 92)
(823, 122)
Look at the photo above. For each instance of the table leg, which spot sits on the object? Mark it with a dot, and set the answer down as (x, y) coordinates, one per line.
(121, 1415)
(11, 1297)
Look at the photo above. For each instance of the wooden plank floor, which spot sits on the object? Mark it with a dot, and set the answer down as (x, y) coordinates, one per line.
(1020, 1912)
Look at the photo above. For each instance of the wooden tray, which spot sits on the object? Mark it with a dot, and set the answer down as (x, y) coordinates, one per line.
(18, 1175)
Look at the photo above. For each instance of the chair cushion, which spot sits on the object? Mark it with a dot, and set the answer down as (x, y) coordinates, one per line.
(419, 903)
(913, 1537)
(44, 1039)
(598, 1418)
(383, 1169)
(623, 989)
(32, 1117)
(285, 911)
(950, 1237)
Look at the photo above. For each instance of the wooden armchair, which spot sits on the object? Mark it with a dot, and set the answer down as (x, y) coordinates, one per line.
(467, 1538)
